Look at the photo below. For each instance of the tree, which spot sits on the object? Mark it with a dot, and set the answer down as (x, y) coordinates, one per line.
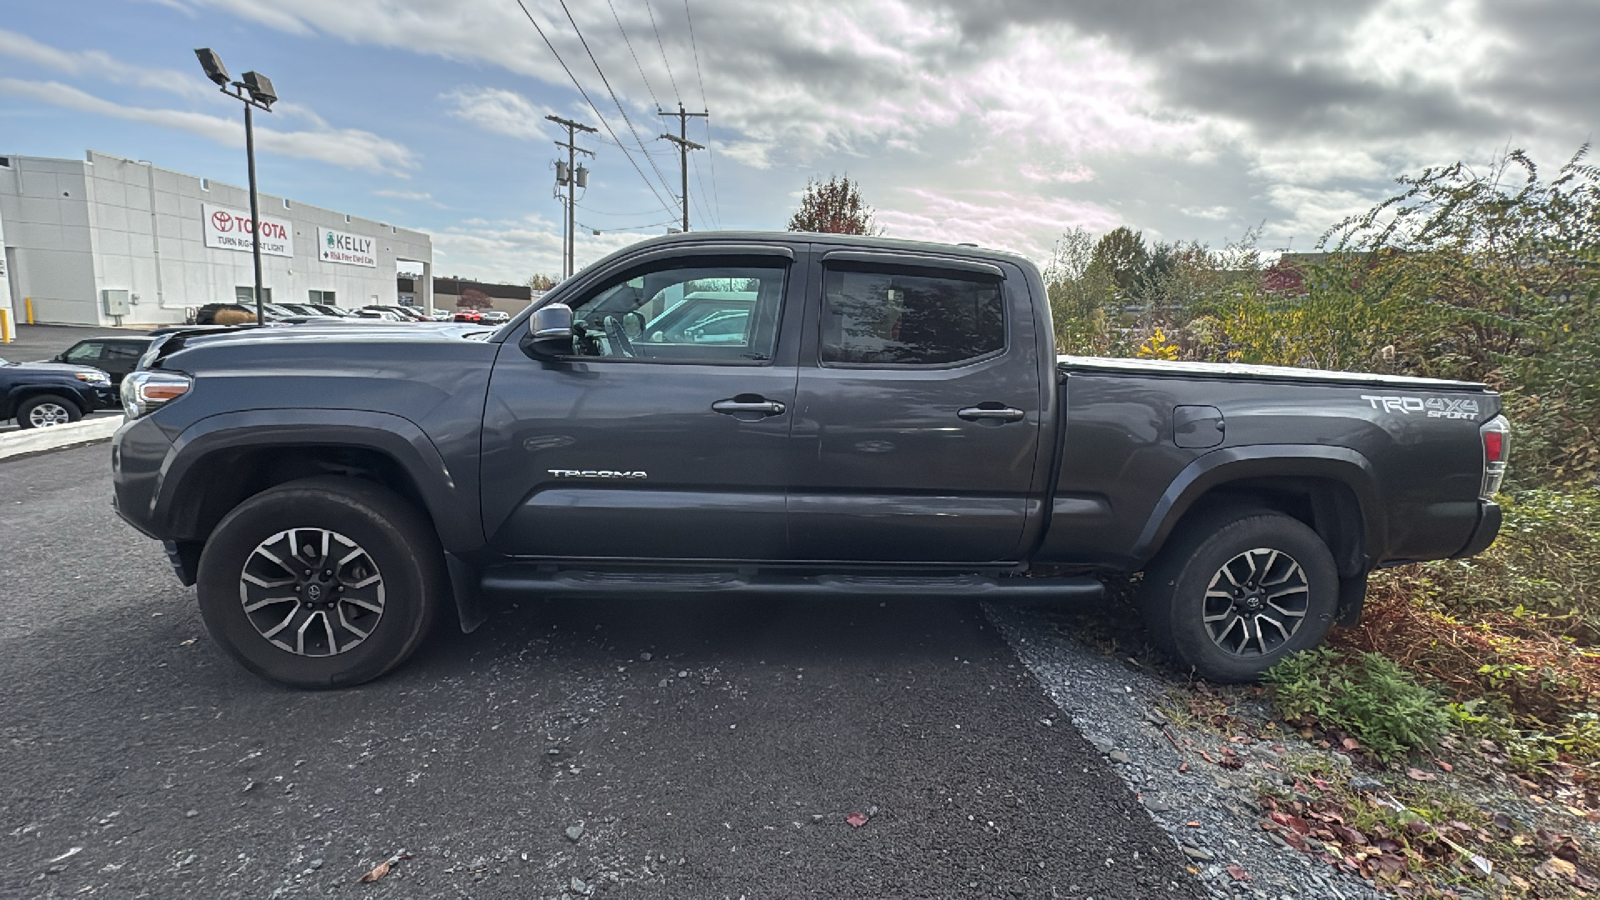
(540, 282)
(472, 298)
(1122, 254)
(834, 207)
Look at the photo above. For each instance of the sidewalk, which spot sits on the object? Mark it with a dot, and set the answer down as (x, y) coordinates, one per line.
(28, 441)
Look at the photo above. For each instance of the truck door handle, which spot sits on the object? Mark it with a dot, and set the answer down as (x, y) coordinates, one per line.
(748, 407)
(993, 412)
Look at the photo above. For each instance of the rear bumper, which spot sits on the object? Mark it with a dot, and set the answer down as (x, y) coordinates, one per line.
(1484, 533)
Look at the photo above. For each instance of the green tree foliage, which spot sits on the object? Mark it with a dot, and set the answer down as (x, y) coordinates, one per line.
(540, 282)
(834, 207)
(1122, 254)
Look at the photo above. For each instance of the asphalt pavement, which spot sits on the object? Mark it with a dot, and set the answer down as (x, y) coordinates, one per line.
(663, 749)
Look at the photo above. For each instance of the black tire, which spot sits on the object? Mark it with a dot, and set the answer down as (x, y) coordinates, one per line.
(53, 404)
(397, 541)
(1216, 554)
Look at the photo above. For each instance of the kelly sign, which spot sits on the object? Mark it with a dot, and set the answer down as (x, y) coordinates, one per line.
(228, 229)
(351, 249)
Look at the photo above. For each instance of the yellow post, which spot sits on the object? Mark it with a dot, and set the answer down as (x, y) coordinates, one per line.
(28, 302)
(5, 326)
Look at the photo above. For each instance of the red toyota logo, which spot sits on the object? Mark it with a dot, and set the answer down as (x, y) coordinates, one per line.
(222, 221)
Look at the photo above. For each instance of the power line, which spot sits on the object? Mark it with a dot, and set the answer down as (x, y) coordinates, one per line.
(653, 98)
(705, 198)
(585, 94)
(716, 195)
(605, 81)
(678, 95)
(601, 212)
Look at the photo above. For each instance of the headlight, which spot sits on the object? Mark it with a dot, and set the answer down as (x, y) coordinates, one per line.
(145, 390)
(93, 377)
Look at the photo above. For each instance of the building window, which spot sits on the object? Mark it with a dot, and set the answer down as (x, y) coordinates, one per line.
(325, 298)
(286, 203)
(205, 184)
(5, 162)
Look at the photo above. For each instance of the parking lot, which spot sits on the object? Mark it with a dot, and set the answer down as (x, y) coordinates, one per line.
(41, 342)
(689, 749)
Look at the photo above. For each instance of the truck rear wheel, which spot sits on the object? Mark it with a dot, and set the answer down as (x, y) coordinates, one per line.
(321, 583)
(1237, 591)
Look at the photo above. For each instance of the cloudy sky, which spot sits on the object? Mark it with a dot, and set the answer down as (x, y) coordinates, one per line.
(1004, 122)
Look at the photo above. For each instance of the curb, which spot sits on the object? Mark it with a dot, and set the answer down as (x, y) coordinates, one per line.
(37, 440)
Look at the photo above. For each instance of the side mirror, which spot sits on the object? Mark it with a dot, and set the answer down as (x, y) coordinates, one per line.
(549, 332)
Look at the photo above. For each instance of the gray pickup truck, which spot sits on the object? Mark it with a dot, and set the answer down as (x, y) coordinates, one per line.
(778, 414)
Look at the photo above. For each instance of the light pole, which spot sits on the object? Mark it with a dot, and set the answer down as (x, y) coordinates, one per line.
(254, 90)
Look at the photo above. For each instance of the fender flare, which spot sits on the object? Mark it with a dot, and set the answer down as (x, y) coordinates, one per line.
(1231, 464)
(452, 506)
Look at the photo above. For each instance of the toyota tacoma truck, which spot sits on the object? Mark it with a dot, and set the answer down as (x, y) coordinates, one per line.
(779, 414)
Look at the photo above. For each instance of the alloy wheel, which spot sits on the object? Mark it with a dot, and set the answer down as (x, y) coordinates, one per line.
(312, 591)
(1256, 602)
(46, 414)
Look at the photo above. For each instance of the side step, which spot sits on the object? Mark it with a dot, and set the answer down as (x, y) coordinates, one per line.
(523, 580)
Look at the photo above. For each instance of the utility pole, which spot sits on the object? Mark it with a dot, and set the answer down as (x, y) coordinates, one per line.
(684, 146)
(573, 176)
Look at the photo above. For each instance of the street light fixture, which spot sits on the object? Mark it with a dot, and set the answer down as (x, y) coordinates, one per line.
(255, 91)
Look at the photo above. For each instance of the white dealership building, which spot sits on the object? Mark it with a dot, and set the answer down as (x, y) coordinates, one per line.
(112, 241)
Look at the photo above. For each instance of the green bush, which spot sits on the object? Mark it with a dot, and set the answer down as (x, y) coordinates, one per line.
(1363, 695)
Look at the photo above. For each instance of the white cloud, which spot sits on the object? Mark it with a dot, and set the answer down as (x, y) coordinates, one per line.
(1029, 225)
(498, 110)
(347, 148)
(95, 63)
(510, 252)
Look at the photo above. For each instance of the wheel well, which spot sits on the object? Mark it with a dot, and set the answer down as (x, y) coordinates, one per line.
(23, 395)
(229, 477)
(1328, 507)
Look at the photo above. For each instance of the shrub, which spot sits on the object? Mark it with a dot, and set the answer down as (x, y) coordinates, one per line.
(1363, 695)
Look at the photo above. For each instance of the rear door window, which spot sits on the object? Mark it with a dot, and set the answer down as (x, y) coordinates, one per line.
(902, 318)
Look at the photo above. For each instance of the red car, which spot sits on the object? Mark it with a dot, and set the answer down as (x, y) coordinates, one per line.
(469, 315)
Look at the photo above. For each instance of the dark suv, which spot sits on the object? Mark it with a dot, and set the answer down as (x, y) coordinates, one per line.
(41, 394)
(115, 356)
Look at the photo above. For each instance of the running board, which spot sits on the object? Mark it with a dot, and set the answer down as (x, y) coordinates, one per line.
(522, 580)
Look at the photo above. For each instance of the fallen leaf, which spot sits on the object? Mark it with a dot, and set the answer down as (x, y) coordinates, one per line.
(1444, 765)
(1350, 744)
(1238, 873)
(856, 820)
(378, 871)
(1296, 841)
(1192, 824)
(1183, 767)
(1418, 775)
(1557, 869)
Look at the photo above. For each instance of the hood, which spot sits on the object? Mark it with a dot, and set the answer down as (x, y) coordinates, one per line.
(367, 337)
(42, 367)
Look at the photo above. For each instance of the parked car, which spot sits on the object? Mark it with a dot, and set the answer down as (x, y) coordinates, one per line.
(468, 315)
(115, 356)
(41, 394)
(405, 313)
(494, 317)
(892, 419)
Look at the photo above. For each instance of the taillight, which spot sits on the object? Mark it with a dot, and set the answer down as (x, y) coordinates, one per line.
(1496, 434)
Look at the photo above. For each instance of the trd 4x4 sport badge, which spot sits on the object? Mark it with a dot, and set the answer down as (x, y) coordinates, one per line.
(1432, 407)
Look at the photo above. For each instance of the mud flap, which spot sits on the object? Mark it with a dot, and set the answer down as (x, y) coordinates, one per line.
(464, 585)
(1352, 597)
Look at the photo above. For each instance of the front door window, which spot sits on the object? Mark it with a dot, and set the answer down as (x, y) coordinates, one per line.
(695, 314)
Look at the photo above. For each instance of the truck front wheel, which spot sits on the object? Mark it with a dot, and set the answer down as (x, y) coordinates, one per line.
(321, 583)
(1234, 592)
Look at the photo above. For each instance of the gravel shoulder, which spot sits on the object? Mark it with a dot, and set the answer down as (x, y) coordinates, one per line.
(653, 749)
(1209, 809)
